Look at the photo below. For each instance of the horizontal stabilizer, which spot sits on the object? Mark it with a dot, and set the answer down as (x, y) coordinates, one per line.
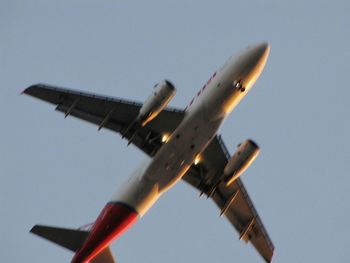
(68, 238)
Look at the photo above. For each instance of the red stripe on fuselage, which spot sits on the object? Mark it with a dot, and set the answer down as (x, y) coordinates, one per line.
(114, 219)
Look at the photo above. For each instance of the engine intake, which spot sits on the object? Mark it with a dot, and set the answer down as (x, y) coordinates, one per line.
(162, 94)
(243, 157)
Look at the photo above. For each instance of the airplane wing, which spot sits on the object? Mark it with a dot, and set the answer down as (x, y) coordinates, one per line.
(233, 200)
(111, 113)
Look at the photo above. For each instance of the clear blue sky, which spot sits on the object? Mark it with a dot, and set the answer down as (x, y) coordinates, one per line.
(61, 172)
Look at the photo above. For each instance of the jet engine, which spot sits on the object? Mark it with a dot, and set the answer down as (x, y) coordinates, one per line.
(163, 92)
(244, 156)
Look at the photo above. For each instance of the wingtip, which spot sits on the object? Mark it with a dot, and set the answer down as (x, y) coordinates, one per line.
(24, 91)
(30, 88)
(27, 90)
(33, 229)
(269, 259)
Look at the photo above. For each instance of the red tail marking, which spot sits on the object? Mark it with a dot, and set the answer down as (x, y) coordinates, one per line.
(114, 220)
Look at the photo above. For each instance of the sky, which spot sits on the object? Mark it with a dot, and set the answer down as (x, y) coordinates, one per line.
(61, 172)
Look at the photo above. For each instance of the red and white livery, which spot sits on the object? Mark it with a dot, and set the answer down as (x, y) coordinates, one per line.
(180, 144)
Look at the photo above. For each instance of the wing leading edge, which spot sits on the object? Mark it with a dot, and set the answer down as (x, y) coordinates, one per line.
(233, 201)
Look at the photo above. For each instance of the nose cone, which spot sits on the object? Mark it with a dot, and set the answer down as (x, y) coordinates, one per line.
(253, 61)
(261, 50)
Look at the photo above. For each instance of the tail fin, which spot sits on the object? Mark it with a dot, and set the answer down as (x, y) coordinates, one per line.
(70, 239)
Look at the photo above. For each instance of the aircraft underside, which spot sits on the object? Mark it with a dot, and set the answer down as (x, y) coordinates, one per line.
(179, 144)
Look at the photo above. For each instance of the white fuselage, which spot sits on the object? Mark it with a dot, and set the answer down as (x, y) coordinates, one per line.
(202, 120)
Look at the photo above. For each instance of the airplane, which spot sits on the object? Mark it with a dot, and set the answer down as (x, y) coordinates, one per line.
(179, 144)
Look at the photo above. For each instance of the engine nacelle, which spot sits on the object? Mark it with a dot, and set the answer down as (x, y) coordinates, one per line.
(244, 156)
(162, 94)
